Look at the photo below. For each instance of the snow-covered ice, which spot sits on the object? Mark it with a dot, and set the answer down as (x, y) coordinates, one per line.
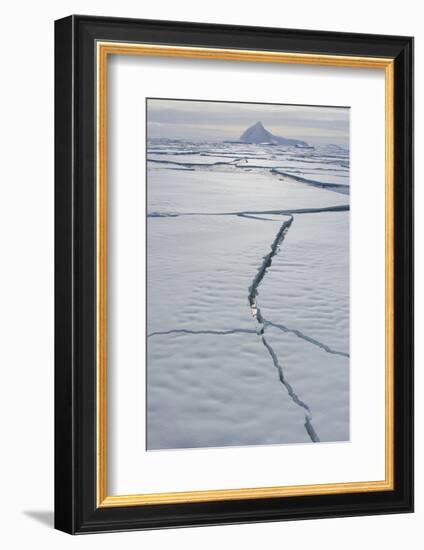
(248, 294)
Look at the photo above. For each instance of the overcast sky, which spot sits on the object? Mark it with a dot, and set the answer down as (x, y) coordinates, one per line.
(210, 120)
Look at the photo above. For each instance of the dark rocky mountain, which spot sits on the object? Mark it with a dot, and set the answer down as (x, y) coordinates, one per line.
(259, 134)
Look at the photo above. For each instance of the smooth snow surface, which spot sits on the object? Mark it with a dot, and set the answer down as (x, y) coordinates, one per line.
(248, 294)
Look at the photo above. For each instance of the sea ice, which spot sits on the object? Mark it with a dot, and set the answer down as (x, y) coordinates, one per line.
(219, 373)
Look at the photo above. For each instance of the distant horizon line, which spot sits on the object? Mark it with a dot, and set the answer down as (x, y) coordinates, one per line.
(239, 141)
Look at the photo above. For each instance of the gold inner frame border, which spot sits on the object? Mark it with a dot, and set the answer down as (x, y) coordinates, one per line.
(103, 50)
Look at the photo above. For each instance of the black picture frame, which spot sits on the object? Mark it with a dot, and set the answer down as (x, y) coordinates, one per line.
(76, 509)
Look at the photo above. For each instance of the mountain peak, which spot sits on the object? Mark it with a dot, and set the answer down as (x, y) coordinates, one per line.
(256, 134)
(259, 134)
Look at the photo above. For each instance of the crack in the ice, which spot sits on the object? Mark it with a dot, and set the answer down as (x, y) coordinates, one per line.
(283, 328)
(307, 338)
(298, 170)
(195, 164)
(257, 315)
(336, 187)
(212, 332)
(266, 264)
(335, 208)
(250, 216)
(308, 415)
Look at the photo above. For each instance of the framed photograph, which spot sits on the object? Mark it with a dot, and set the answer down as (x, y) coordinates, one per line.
(233, 274)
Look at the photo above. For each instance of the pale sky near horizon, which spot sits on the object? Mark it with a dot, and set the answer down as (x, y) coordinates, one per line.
(204, 120)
